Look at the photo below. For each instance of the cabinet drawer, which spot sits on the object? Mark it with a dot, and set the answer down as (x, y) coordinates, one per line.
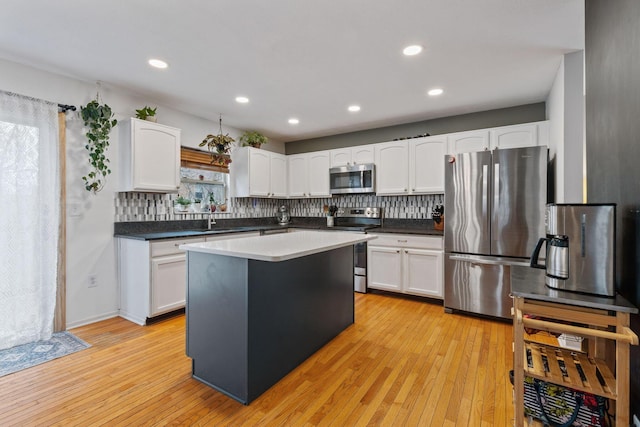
(171, 246)
(407, 241)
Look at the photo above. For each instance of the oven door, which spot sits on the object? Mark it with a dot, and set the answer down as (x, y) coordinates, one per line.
(360, 267)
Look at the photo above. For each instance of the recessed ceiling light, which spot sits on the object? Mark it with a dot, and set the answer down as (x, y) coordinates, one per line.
(412, 50)
(242, 99)
(293, 121)
(435, 92)
(354, 108)
(158, 63)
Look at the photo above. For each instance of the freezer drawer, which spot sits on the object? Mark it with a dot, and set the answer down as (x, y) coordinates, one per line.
(478, 284)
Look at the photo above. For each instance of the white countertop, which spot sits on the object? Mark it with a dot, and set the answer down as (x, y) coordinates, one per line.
(280, 247)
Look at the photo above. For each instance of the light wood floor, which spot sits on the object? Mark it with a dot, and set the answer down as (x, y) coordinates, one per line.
(403, 363)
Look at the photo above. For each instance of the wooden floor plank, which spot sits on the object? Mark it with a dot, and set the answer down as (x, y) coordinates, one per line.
(404, 362)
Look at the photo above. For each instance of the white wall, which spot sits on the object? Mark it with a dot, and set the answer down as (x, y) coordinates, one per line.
(565, 110)
(90, 243)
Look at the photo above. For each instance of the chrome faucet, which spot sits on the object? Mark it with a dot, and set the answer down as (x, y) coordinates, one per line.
(212, 221)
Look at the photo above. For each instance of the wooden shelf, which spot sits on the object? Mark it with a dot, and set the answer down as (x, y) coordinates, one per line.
(598, 378)
(604, 366)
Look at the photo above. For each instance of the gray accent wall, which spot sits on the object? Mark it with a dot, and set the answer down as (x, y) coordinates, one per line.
(612, 73)
(480, 120)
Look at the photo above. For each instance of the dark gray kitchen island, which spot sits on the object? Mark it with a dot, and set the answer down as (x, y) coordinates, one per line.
(257, 307)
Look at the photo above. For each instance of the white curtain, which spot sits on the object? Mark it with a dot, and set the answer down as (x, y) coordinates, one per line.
(30, 194)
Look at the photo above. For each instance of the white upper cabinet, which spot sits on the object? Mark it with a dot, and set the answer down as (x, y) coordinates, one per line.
(392, 174)
(466, 142)
(318, 164)
(258, 173)
(515, 136)
(309, 174)
(426, 164)
(361, 154)
(297, 164)
(149, 157)
(414, 166)
(526, 135)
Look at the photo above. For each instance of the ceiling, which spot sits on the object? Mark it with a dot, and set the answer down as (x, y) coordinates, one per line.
(303, 59)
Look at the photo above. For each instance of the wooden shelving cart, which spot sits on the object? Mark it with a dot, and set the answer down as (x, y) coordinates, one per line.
(604, 322)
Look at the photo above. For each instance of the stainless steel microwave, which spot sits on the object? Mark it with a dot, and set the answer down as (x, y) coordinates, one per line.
(353, 179)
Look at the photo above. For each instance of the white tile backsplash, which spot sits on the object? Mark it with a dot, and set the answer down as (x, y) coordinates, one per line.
(159, 207)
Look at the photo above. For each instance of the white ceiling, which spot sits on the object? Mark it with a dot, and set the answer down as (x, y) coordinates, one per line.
(304, 59)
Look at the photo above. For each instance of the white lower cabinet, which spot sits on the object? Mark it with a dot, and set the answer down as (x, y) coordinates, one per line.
(410, 264)
(153, 274)
(152, 277)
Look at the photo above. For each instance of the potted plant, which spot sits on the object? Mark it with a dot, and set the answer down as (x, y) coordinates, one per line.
(220, 146)
(252, 138)
(147, 113)
(99, 121)
(212, 203)
(182, 204)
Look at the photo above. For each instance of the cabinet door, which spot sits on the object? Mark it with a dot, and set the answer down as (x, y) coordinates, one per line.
(392, 175)
(514, 136)
(426, 164)
(278, 175)
(468, 142)
(384, 268)
(168, 283)
(363, 154)
(259, 172)
(155, 158)
(318, 174)
(423, 272)
(340, 157)
(297, 175)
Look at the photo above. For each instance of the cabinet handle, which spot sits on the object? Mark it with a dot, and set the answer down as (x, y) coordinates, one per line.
(406, 251)
(405, 189)
(398, 251)
(402, 241)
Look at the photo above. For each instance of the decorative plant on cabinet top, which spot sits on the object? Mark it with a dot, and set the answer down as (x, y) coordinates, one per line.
(220, 146)
(252, 138)
(99, 121)
(147, 113)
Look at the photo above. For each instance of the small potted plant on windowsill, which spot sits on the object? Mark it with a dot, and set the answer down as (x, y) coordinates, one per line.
(147, 113)
(182, 204)
(252, 138)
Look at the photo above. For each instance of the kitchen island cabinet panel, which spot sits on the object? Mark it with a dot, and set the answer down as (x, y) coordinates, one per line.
(251, 322)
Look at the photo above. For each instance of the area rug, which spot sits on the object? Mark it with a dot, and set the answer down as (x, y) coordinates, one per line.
(27, 355)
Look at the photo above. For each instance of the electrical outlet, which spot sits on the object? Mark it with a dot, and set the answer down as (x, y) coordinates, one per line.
(92, 281)
(636, 421)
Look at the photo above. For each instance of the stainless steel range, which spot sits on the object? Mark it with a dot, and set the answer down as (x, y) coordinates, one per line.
(358, 220)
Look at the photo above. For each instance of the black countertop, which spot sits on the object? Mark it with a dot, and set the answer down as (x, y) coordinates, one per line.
(527, 282)
(156, 230)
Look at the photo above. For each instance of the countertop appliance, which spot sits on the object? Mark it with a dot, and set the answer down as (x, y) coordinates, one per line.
(495, 204)
(580, 248)
(358, 220)
(283, 216)
(352, 179)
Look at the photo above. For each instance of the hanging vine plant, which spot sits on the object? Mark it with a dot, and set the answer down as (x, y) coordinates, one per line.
(99, 121)
(219, 146)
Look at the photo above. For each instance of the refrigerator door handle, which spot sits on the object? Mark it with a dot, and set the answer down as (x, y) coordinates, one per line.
(496, 188)
(485, 188)
(481, 260)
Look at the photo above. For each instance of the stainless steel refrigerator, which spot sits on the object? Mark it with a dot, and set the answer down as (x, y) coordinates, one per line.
(494, 214)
